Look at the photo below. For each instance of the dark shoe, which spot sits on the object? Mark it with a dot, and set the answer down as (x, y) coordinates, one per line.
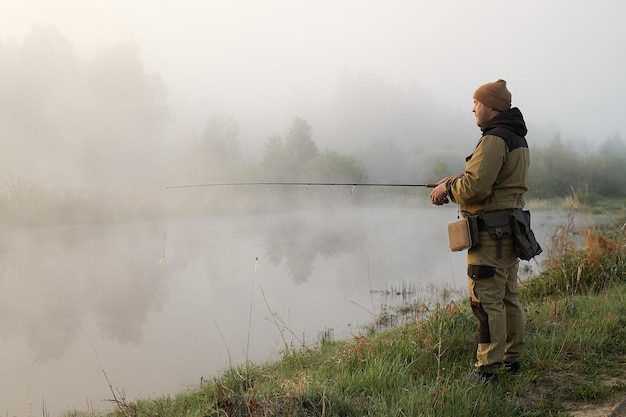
(485, 378)
(513, 368)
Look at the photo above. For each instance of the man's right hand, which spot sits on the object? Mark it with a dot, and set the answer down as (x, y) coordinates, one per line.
(438, 195)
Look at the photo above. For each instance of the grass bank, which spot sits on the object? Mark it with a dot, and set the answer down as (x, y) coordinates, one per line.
(575, 354)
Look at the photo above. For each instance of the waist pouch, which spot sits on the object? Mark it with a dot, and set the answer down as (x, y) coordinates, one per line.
(526, 245)
(516, 224)
(463, 234)
(499, 224)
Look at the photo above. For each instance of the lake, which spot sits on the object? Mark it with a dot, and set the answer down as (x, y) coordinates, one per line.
(152, 307)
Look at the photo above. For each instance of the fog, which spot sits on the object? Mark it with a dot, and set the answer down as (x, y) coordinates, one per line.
(415, 64)
(104, 104)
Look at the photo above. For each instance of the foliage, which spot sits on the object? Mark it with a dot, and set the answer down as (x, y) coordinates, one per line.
(102, 123)
(24, 202)
(606, 168)
(570, 269)
(297, 158)
(299, 144)
(84, 123)
(284, 159)
(557, 168)
(332, 166)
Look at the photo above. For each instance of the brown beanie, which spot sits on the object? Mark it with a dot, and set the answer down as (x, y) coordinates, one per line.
(494, 95)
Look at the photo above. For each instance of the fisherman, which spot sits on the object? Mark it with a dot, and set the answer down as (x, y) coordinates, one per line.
(493, 182)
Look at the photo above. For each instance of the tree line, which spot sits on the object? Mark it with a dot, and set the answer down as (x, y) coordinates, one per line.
(107, 122)
(558, 168)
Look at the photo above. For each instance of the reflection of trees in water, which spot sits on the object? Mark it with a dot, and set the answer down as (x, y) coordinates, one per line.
(298, 244)
(52, 280)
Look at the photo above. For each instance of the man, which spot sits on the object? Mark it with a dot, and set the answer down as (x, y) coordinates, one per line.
(493, 183)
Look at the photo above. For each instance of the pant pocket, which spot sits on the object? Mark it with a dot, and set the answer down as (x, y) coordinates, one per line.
(480, 271)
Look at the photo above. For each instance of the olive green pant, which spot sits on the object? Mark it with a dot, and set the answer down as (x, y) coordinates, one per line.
(494, 299)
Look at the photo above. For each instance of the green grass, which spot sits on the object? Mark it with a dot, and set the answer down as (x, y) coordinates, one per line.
(574, 344)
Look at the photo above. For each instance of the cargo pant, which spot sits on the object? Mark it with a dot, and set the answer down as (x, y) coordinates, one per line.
(494, 299)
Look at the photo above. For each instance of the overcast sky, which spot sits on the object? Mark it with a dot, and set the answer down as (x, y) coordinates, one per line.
(564, 61)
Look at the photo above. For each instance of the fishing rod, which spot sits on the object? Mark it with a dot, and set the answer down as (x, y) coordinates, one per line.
(324, 184)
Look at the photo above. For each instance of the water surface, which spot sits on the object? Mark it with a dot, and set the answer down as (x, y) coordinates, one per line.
(151, 307)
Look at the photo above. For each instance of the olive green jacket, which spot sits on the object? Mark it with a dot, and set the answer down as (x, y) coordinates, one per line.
(495, 175)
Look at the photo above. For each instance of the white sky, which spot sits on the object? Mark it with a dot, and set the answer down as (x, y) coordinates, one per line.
(564, 61)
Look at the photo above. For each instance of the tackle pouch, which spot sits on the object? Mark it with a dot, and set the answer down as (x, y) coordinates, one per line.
(498, 224)
(526, 245)
(463, 234)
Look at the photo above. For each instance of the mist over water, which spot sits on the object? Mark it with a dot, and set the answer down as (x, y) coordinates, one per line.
(103, 104)
(78, 301)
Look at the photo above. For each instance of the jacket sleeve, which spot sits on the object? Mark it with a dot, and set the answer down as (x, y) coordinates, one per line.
(481, 171)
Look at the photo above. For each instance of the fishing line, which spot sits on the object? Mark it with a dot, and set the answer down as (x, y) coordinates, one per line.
(165, 218)
(164, 245)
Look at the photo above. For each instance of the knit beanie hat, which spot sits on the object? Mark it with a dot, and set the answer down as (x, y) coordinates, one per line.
(494, 95)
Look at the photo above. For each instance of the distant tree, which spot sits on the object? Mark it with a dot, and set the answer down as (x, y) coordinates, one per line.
(41, 82)
(285, 159)
(299, 143)
(123, 119)
(275, 166)
(606, 168)
(555, 169)
(221, 146)
(331, 166)
(93, 124)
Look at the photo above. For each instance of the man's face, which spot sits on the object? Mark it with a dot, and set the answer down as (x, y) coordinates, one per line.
(482, 113)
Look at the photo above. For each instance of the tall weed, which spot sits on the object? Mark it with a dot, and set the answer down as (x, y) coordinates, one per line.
(580, 262)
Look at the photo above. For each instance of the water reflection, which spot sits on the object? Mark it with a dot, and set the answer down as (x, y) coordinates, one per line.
(158, 326)
(52, 279)
(298, 243)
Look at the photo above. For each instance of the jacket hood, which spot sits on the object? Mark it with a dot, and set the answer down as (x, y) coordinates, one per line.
(511, 119)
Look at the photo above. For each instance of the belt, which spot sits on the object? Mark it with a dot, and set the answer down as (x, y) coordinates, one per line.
(501, 218)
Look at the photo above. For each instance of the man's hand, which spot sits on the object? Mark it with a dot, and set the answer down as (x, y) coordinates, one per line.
(438, 196)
